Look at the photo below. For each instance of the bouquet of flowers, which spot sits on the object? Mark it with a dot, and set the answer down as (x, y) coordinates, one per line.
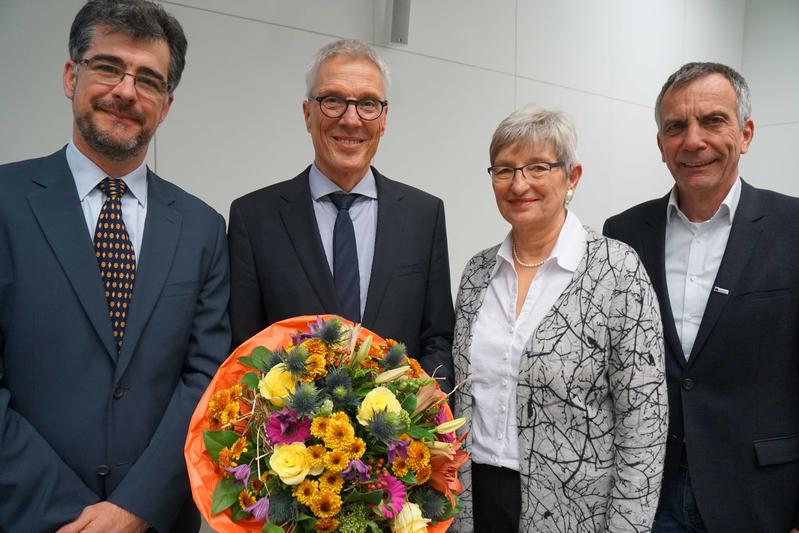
(319, 425)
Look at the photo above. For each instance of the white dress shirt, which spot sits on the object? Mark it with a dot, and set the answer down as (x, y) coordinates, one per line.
(500, 338)
(134, 203)
(363, 213)
(693, 254)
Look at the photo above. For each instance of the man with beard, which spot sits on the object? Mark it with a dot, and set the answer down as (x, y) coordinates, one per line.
(113, 296)
(340, 237)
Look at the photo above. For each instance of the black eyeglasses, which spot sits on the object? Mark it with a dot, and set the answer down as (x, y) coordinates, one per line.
(107, 72)
(335, 106)
(530, 171)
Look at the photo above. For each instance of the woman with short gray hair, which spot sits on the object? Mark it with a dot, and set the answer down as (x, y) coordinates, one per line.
(559, 340)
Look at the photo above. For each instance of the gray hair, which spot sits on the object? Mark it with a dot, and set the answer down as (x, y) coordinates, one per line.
(534, 124)
(353, 48)
(693, 71)
(142, 20)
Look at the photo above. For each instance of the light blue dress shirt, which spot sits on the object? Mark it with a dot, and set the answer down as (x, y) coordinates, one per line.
(364, 220)
(134, 203)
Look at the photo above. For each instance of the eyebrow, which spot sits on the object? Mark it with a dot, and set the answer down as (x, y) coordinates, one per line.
(139, 70)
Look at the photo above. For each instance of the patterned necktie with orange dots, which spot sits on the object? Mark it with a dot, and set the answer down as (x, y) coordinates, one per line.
(115, 256)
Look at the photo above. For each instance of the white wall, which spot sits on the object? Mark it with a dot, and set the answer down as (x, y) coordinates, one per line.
(236, 124)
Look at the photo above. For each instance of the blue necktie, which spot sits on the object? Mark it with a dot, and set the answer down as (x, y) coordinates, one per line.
(115, 256)
(346, 277)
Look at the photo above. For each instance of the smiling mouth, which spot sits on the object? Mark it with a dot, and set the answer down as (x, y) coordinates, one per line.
(698, 164)
(349, 142)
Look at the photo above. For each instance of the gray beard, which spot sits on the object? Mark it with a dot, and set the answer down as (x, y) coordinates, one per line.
(105, 145)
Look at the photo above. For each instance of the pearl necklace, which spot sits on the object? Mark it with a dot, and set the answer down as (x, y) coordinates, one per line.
(522, 263)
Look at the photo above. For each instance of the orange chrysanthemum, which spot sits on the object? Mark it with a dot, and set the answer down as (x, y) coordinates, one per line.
(317, 454)
(326, 504)
(331, 481)
(423, 474)
(356, 448)
(325, 525)
(315, 367)
(400, 466)
(416, 368)
(239, 447)
(319, 426)
(418, 455)
(336, 460)
(306, 491)
(339, 434)
(225, 459)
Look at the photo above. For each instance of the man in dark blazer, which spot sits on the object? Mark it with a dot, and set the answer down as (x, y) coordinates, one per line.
(723, 257)
(98, 378)
(283, 238)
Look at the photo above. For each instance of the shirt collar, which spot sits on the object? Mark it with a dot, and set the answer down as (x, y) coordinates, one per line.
(321, 185)
(87, 175)
(726, 210)
(567, 252)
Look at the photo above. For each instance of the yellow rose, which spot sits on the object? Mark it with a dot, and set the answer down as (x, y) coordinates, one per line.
(291, 462)
(277, 384)
(379, 399)
(409, 520)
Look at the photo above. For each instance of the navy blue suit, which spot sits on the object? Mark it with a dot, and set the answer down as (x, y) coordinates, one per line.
(79, 422)
(279, 269)
(735, 401)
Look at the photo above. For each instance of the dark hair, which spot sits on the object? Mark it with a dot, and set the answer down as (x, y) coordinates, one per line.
(693, 71)
(140, 19)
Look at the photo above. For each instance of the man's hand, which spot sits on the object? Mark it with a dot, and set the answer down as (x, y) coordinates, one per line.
(105, 516)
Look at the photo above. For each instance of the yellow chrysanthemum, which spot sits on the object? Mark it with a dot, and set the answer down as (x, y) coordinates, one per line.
(418, 455)
(315, 346)
(339, 434)
(319, 426)
(423, 474)
(340, 416)
(356, 448)
(315, 367)
(331, 481)
(326, 504)
(306, 491)
(336, 460)
(229, 414)
(239, 447)
(400, 466)
(222, 405)
(416, 368)
(326, 525)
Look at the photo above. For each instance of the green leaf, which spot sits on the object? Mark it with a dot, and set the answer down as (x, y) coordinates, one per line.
(409, 403)
(237, 513)
(260, 355)
(420, 433)
(373, 526)
(226, 494)
(372, 497)
(302, 516)
(216, 440)
(272, 528)
(409, 478)
(247, 361)
(251, 380)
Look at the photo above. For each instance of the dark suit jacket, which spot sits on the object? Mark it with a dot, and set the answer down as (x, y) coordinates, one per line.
(735, 402)
(279, 270)
(80, 423)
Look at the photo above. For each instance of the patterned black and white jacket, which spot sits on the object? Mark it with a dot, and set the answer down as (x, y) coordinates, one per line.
(592, 409)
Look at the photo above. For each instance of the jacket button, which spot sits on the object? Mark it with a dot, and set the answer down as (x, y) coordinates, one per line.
(688, 384)
(674, 437)
(102, 470)
(119, 392)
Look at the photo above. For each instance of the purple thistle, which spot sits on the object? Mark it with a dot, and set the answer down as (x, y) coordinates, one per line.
(397, 447)
(284, 427)
(260, 509)
(240, 473)
(356, 468)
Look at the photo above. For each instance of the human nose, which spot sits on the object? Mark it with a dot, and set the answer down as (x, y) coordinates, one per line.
(694, 137)
(126, 88)
(350, 115)
(521, 183)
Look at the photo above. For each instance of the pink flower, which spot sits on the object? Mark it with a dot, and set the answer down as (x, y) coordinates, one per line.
(284, 427)
(393, 496)
(440, 418)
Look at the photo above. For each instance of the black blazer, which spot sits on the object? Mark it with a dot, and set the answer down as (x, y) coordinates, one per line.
(279, 269)
(79, 422)
(735, 402)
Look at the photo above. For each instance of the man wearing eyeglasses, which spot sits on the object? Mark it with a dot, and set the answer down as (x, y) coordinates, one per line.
(113, 297)
(340, 237)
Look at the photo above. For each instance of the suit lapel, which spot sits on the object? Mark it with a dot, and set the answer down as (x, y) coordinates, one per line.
(746, 228)
(57, 209)
(388, 244)
(160, 241)
(653, 237)
(300, 223)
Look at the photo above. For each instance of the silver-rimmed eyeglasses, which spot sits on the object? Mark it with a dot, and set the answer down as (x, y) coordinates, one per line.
(530, 172)
(109, 72)
(333, 106)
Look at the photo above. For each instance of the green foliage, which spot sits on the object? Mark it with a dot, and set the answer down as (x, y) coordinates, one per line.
(216, 440)
(225, 495)
(250, 380)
